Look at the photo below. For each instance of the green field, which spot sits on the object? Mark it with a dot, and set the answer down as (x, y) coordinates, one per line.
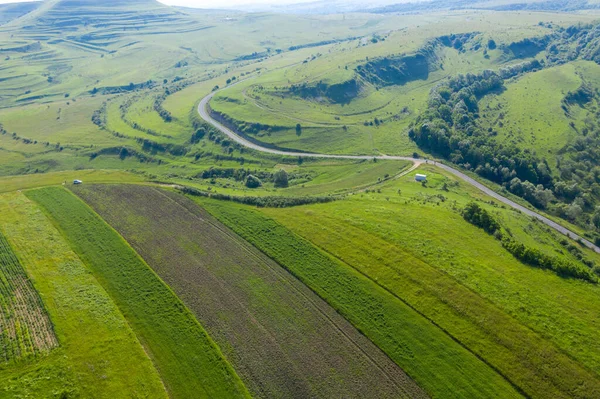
(532, 110)
(388, 231)
(95, 350)
(26, 327)
(453, 286)
(420, 347)
(189, 362)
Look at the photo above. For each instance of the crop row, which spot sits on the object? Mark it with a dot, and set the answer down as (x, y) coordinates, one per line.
(25, 328)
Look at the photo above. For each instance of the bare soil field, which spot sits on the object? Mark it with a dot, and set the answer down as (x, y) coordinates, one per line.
(282, 339)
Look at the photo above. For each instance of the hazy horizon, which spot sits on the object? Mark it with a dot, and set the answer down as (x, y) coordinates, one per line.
(204, 3)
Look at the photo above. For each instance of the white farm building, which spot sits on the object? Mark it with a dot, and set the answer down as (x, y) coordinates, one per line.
(420, 177)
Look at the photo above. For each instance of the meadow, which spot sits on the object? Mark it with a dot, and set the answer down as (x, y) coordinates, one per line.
(346, 126)
(491, 300)
(532, 116)
(187, 359)
(420, 347)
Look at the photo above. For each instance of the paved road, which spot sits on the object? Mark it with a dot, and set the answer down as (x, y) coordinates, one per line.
(202, 110)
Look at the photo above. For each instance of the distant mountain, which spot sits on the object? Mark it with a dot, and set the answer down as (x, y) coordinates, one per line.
(11, 11)
(516, 5)
(96, 24)
(316, 7)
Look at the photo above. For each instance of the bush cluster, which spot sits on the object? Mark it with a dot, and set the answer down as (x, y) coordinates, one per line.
(480, 217)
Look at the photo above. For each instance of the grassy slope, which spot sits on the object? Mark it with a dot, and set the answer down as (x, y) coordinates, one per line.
(314, 178)
(189, 362)
(99, 356)
(465, 282)
(281, 338)
(531, 105)
(423, 350)
(255, 100)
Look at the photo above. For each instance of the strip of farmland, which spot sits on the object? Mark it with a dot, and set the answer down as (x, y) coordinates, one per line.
(99, 356)
(282, 339)
(25, 328)
(188, 361)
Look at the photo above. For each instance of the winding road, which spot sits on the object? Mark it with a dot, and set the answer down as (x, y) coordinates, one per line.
(204, 114)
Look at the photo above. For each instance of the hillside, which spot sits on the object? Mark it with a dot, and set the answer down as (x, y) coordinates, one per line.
(300, 201)
(11, 11)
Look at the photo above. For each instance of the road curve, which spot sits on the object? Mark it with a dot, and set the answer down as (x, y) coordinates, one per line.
(204, 114)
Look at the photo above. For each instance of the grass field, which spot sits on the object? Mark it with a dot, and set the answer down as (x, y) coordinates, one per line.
(529, 115)
(341, 127)
(380, 288)
(189, 362)
(282, 339)
(416, 344)
(97, 355)
(493, 304)
(23, 182)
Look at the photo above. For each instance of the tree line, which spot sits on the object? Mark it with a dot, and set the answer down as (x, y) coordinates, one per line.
(262, 202)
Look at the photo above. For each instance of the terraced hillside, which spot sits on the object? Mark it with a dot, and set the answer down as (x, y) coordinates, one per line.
(186, 263)
(11, 11)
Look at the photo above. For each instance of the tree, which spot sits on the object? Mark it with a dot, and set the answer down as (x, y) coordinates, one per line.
(596, 218)
(280, 179)
(298, 129)
(253, 182)
(491, 44)
(480, 217)
(574, 211)
(199, 135)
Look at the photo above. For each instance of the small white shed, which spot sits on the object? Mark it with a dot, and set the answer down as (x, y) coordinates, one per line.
(420, 177)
